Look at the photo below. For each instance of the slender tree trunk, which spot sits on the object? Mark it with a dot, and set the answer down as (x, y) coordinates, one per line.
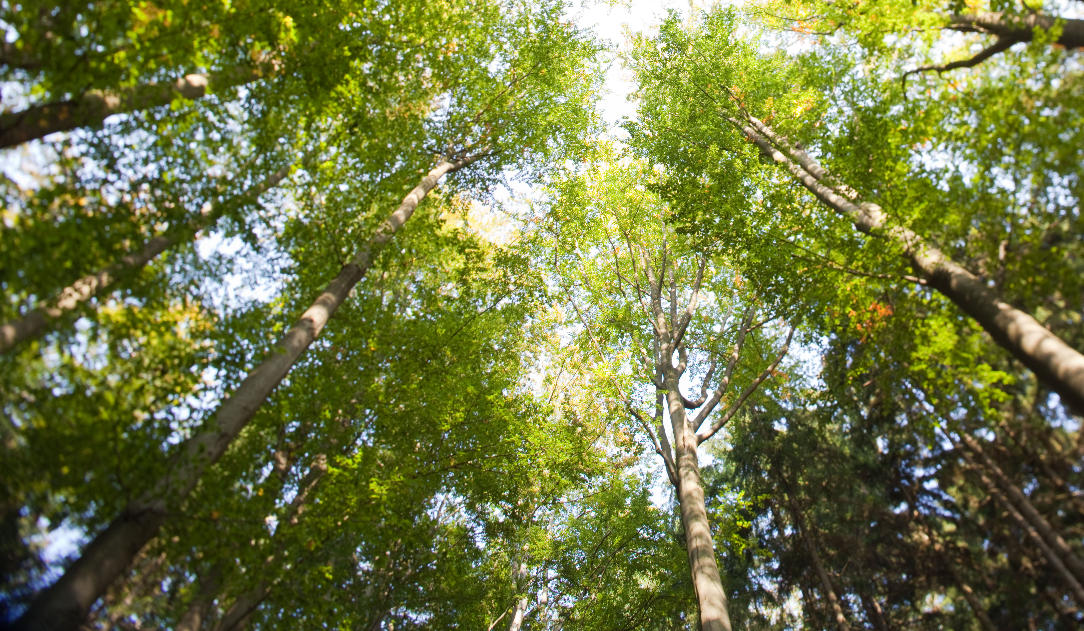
(874, 613)
(521, 605)
(95, 106)
(1055, 561)
(694, 519)
(818, 567)
(1056, 363)
(972, 600)
(197, 611)
(247, 603)
(39, 320)
(64, 605)
(1027, 509)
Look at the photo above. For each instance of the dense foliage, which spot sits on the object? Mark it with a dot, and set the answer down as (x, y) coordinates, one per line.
(282, 344)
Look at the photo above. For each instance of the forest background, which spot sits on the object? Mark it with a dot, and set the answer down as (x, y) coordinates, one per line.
(371, 315)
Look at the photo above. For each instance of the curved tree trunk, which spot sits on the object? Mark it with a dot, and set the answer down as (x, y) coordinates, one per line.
(1053, 361)
(694, 520)
(39, 320)
(64, 605)
(93, 107)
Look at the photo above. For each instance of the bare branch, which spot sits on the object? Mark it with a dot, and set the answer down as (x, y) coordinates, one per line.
(690, 309)
(1000, 45)
(732, 362)
(703, 435)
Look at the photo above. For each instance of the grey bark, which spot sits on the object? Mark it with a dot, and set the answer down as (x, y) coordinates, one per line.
(64, 605)
(93, 107)
(521, 605)
(694, 520)
(40, 319)
(1020, 28)
(1053, 361)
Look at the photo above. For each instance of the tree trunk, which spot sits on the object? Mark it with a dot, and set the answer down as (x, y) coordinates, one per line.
(197, 611)
(39, 319)
(874, 614)
(521, 605)
(245, 605)
(818, 567)
(1055, 561)
(95, 106)
(1027, 509)
(694, 520)
(972, 600)
(64, 605)
(1056, 363)
(1020, 28)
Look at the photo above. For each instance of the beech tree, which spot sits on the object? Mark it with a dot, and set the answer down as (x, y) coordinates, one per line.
(666, 309)
(356, 316)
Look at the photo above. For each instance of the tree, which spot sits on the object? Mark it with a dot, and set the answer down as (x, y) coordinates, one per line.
(657, 282)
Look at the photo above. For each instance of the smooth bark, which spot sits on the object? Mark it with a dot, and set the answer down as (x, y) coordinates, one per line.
(520, 610)
(1020, 28)
(93, 107)
(694, 521)
(64, 605)
(40, 319)
(1054, 362)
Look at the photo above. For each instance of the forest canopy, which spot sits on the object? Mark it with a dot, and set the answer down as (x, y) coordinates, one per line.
(360, 315)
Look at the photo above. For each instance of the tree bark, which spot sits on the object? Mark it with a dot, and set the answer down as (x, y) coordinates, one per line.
(818, 567)
(197, 611)
(93, 107)
(64, 605)
(694, 520)
(972, 600)
(1020, 28)
(1074, 586)
(1053, 361)
(521, 605)
(38, 320)
(1022, 503)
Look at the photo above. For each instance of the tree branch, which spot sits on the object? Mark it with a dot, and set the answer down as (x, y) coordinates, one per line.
(719, 423)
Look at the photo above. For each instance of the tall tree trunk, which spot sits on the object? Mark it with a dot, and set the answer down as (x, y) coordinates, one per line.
(874, 613)
(694, 519)
(64, 605)
(972, 599)
(1027, 509)
(521, 605)
(39, 319)
(246, 604)
(95, 106)
(1056, 363)
(197, 611)
(818, 567)
(1055, 561)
